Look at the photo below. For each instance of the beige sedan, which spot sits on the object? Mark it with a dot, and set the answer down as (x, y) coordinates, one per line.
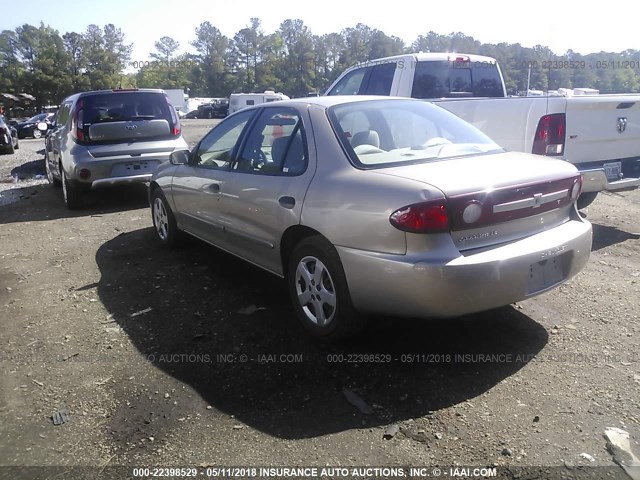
(376, 205)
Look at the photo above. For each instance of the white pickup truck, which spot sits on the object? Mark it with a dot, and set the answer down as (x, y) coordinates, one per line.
(599, 134)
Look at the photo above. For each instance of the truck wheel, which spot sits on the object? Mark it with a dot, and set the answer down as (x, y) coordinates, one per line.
(586, 199)
(319, 291)
(72, 195)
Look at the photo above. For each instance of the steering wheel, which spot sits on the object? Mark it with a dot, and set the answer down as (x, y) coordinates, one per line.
(258, 163)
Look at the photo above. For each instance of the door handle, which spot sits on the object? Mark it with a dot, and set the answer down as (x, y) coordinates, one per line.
(287, 202)
(213, 188)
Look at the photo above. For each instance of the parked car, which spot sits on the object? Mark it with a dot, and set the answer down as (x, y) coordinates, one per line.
(387, 206)
(29, 128)
(110, 137)
(8, 136)
(594, 132)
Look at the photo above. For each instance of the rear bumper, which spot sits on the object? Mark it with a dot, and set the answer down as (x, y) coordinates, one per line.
(110, 182)
(594, 178)
(452, 284)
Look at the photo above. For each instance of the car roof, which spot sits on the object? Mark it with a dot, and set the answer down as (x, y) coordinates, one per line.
(115, 90)
(330, 101)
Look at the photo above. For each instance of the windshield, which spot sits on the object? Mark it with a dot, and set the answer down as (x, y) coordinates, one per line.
(384, 133)
(37, 118)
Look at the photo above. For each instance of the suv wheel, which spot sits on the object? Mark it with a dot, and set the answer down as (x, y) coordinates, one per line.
(52, 180)
(72, 196)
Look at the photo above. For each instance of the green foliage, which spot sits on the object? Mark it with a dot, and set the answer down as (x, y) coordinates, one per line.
(38, 60)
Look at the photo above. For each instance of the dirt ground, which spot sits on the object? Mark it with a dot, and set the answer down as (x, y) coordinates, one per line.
(193, 358)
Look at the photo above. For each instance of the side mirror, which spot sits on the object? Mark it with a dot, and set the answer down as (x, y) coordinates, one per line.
(43, 126)
(179, 157)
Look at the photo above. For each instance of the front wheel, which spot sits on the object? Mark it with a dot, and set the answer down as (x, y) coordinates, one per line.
(163, 219)
(319, 291)
(586, 199)
(37, 133)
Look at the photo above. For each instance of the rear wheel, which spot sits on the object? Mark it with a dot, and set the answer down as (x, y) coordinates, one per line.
(163, 220)
(9, 149)
(586, 199)
(319, 291)
(72, 195)
(52, 180)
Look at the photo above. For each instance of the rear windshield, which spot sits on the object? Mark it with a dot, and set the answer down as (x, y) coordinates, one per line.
(386, 133)
(445, 79)
(125, 106)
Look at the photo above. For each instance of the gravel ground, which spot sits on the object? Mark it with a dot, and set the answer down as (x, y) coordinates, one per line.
(193, 358)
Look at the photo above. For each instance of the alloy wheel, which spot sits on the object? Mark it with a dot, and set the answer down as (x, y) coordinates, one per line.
(315, 290)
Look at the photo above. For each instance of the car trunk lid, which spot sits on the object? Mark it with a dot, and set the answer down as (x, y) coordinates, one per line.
(496, 198)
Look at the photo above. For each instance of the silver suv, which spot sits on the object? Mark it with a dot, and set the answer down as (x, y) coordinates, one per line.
(110, 137)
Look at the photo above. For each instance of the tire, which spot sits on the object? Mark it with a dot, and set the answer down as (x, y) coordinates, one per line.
(72, 195)
(9, 149)
(56, 183)
(17, 145)
(164, 222)
(321, 298)
(37, 133)
(586, 199)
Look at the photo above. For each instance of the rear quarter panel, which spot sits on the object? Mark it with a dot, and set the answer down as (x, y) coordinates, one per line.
(351, 207)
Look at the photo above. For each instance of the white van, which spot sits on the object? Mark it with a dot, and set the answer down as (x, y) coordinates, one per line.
(238, 101)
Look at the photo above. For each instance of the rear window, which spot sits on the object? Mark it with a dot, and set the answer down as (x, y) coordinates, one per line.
(125, 116)
(122, 107)
(444, 79)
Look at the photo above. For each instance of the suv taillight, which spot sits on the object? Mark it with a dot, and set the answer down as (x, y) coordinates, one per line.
(77, 126)
(425, 217)
(175, 120)
(550, 135)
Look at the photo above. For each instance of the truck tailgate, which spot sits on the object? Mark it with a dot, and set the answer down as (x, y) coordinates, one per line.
(603, 127)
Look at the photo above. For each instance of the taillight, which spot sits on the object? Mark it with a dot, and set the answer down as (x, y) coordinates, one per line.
(175, 129)
(550, 135)
(426, 217)
(77, 126)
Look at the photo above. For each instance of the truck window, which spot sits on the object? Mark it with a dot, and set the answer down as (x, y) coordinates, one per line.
(443, 79)
(381, 79)
(350, 83)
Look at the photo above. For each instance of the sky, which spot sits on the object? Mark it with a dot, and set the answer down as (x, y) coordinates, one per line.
(569, 25)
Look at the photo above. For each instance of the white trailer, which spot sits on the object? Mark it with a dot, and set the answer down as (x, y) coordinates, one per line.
(238, 101)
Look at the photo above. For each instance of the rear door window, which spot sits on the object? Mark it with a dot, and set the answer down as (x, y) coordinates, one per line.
(381, 79)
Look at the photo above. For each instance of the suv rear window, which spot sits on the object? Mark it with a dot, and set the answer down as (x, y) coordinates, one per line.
(121, 116)
(122, 107)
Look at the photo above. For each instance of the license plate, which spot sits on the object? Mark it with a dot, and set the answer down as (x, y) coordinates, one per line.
(133, 168)
(613, 170)
(545, 274)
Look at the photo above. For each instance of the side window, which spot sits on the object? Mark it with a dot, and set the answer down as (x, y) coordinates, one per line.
(381, 79)
(350, 83)
(215, 150)
(275, 145)
(63, 114)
